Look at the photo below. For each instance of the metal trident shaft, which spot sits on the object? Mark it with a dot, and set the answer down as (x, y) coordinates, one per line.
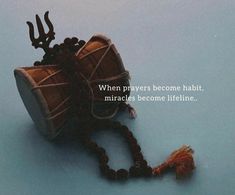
(44, 39)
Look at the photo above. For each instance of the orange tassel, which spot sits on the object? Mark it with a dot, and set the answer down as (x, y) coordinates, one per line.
(181, 160)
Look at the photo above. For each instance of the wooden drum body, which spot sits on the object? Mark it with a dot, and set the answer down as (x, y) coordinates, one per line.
(46, 93)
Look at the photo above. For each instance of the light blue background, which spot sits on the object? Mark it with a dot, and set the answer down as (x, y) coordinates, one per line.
(161, 42)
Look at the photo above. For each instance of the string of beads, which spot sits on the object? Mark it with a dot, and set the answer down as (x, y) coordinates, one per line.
(140, 167)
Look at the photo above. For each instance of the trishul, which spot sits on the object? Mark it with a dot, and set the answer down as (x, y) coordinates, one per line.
(44, 39)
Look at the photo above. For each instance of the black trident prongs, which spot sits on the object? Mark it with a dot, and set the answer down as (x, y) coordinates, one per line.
(44, 39)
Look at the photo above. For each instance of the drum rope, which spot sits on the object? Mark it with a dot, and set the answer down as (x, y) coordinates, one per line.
(59, 113)
(93, 51)
(99, 62)
(50, 85)
(60, 104)
(49, 76)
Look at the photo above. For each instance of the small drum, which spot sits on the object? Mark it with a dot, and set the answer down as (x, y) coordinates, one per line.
(46, 93)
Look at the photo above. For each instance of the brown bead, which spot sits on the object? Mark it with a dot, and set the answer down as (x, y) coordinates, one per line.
(124, 128)
(74, 40)
(101, 151)
(104, 168)
(81, 42)
(138, 157)
(134, 171)
(122, 174)
(111, 174)
(129, 134)
(67, 41)
(135, 148)
(147, 171)
(104, 159)
(143, 163)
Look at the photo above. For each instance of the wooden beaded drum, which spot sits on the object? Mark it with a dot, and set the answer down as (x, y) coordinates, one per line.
(46, 93)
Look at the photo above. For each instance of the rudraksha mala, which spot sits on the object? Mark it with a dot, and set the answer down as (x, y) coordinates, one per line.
(140, 167)
(64, 56)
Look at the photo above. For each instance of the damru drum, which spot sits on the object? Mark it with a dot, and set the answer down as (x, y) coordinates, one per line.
(45, 90)
(65, 86)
